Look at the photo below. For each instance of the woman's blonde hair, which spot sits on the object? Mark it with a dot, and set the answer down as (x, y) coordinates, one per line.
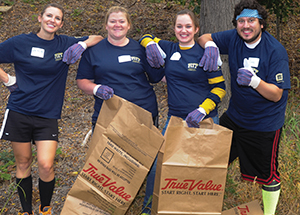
(116, 9)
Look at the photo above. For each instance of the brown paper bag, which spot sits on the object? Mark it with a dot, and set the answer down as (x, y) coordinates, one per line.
(251, 208)
(193, 170)
(119, 161)
(120, 110)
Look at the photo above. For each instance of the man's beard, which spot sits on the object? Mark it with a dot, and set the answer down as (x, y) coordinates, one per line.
(251, 39)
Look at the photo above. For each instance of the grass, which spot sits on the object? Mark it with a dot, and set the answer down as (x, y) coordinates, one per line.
(239, 191)
(7, 161)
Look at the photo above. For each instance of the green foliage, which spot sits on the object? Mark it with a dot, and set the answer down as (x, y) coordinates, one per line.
(281, 8)
(154, 1)
(7, 2)
(76, 12)
(192, 4)
(7, 159)
(58, 151)
(1, 16)
(6, 156)
(173, 38)
(4, 175)
(36, 1)
(34, 17)
(230, 188)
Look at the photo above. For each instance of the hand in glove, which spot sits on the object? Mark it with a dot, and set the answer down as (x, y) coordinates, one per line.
(103, 92)
(247, 77)
(195, 117)
(74, 52)
(211, 57)
(11, 84)
(155, 55)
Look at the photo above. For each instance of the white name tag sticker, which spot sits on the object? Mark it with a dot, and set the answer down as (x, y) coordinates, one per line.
(124, 58)
(37, 52)
(176, 56)
(254, 62)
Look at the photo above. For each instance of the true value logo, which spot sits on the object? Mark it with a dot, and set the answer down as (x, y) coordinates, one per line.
(174, 186)
(243, 211)
(107, 182)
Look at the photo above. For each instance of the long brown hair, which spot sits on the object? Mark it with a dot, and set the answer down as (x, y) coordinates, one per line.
(191, 14)
(37, 30)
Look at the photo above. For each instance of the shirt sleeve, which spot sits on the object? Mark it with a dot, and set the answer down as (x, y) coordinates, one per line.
(85, 69)
(147, 38)
(279, 73)
(222, 40)
(7, 51)
(217, 92)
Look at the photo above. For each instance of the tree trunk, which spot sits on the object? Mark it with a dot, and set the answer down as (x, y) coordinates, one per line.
(216, 15)
(278, 28)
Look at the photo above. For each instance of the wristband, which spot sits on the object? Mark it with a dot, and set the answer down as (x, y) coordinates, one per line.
(83, 44)
(96, 88)
(210, 43)
(255, 81)
(201, 109)
(11, 81)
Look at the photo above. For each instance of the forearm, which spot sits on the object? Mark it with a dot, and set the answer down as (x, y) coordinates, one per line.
(269, 91)
(3, 76)
(215, 96)
(86, 86)
(204, 39)
(93, 40)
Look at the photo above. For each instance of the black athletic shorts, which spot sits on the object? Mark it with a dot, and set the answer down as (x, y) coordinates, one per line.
(257, 152)
(19, 127)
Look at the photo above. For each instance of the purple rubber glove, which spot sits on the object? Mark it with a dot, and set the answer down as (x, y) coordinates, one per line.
(11, 84)
(211, 57)
(103, 92)
(247, 77)
(154, 56)
(195, 117)
(74, 52)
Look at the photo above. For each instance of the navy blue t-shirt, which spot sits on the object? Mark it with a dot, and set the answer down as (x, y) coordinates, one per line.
(188, 83)
(41, 74)
(125, 69)
(269, 60)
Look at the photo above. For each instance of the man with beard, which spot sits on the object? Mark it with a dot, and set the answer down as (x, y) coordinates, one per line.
(260, 80)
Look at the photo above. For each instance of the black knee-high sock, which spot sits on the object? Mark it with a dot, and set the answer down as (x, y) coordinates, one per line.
(25, 193)
(46, 191)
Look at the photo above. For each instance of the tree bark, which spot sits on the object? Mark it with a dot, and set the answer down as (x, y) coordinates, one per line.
(216, 15)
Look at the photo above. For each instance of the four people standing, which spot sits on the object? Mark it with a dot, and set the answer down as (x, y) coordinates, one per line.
(117, 65)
